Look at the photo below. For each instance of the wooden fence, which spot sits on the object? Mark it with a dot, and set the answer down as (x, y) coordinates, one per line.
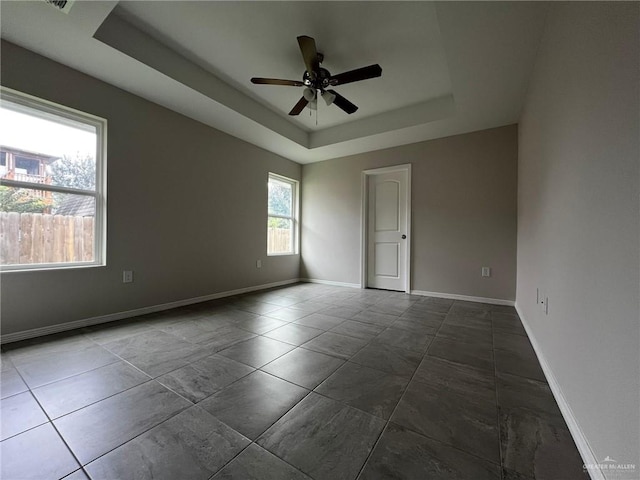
(42, 238)
(279, 240)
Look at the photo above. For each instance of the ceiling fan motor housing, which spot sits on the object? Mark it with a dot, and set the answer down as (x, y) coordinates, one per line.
(321, 80)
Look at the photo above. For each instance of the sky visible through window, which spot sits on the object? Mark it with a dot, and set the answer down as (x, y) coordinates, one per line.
(38, 135)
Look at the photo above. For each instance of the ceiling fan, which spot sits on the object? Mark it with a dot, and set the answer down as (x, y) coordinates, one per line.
(318, 80)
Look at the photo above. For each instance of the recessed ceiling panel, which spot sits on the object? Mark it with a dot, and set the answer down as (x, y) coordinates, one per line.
(239, 40)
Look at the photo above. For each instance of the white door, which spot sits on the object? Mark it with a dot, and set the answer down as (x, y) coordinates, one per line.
(388, 230)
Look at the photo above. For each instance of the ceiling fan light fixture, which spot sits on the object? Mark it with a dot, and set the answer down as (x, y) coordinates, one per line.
(313, 105)
(309, 94)
(328, 97)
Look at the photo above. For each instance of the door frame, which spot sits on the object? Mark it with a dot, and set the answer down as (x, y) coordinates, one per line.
(364, 221)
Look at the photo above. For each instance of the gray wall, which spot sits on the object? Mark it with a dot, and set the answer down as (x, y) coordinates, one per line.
(186, 207)
(578, 219)
(464, 213)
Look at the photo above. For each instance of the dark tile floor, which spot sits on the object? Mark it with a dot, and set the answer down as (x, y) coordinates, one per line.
(306, 381)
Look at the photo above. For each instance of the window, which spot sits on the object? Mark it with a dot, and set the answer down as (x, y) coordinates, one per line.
(282, 223)
(52, 185)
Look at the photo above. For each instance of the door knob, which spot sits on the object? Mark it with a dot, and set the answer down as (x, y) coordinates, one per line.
(404, 236)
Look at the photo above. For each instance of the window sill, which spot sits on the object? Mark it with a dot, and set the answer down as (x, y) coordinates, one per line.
(48, 268)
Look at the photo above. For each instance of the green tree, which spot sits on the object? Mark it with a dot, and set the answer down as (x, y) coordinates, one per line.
(78, 172)
(20, 200)
(279, 198)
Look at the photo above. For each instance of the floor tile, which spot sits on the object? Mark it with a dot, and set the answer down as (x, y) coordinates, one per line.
(470, 309)
(303, 367)
(19, 413)
(320, 321)
(288, 314)
(192, 445)
(316, 435)
(419, 309)
(512, 343)
(36, 454)
(101, 427)
(503, 323)
(508, 309)
(50, 345)
(150, 341)
(45, 368)
(204, 377)
(257, 352)
(5, 362)
(351, 328)
(370, 390)
(534, 446)
(156, 352)
(523, 363)
(76, 392)
(472, 335)
(309, 306)
(77, 475)
(113, 331)
(194, 331)
(293, 334)
(280, 301)
(520, 392)
(397, 337)
(226, 337)
(229, 317)
(11, 383)
(397, 361)
(465, 422)
(256, 463)
(260, 325)
(254, 403)
(417, 326)
(478, 356)
(341, 312)
(390, 308)
(462, 321)
(406, 455)
(456, 378)
(259, 308)
(336, 345)
(375, 318)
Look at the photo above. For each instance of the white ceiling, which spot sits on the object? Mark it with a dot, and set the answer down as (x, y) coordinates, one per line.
(447, 67)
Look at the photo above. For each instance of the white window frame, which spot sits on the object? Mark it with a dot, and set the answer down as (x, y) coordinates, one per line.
(100, 193)
(295, 187)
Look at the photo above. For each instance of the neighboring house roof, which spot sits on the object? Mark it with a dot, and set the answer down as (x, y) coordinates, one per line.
(77, 206)
(43, 156)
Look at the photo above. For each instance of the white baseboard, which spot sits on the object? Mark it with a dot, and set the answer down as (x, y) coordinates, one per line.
(62, 327)
(588, 457)
(467, 298)
(330, 282)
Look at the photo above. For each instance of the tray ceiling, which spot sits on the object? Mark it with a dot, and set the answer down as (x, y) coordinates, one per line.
(447, 68)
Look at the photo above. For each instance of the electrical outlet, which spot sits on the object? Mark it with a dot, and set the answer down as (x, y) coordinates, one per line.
(486, 271)
(543, 302)
(258, 263)
(127, 276)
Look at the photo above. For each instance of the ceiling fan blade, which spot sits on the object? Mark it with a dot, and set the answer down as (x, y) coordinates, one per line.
(276, 81)
(364, 73)
(299, 106)
(309, 54)
(343, 103)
